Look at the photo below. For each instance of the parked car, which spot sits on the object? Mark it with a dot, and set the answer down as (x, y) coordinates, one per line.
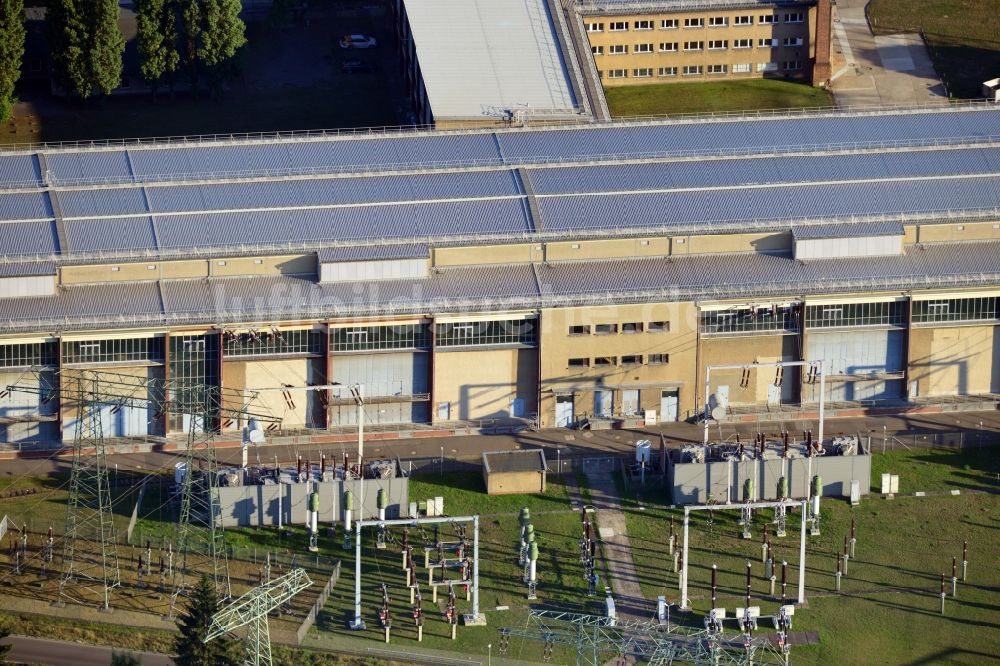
(355, 67)
(357, 42)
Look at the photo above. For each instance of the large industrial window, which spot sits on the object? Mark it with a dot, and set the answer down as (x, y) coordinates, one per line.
(194, 364)
(891, 313)
(28, 354)
(495, 332)
(956, 309)
(367, 338)
(274, 343)
(751, 320)
(130, 350)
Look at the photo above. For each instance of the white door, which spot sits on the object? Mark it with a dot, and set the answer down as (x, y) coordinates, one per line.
(564, 411)
(444, 411)
(630, 402)
(773, 394)
(722, 396)
(604, 403)
(668, 405)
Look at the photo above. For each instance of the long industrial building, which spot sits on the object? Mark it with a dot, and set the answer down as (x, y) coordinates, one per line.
(561, 273)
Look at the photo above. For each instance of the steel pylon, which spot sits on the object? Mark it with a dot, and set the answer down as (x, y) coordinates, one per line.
(89, 515)
(199, 525)
(251, 611)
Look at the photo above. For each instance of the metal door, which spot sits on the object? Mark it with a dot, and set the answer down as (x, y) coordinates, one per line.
(564, 411)
(604, 403)
(668, 405)
(517, 408)
(444, 411)
(630, 402)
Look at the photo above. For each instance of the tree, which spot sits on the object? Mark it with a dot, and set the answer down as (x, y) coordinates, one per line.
(11, 51)
(107, 45)
(125, 659)
(86, 45)
(157, 28)
(213, 32)
(190, 645)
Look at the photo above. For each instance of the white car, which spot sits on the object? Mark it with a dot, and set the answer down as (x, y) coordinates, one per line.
(357, 42)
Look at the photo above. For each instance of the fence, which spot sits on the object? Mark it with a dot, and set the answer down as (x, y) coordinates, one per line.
(310, 620)
(135, 510)
(950, 439)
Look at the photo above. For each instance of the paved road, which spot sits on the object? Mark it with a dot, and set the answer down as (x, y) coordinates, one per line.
(869, 69)
(571, 443)
(48, 652)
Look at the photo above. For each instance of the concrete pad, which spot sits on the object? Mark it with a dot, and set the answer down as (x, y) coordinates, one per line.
(605, 533)
(895, 53)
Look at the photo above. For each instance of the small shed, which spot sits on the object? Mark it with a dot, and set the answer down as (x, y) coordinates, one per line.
(514, 472)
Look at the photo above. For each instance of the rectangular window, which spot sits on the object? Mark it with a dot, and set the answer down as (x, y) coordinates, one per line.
(619, 26)
(495, 332)
(792, 41)
(742, 43)
(694, 23)
(272, 342)
(668, 24)
(753, 319)
(794, 17)
(659, 327)
(767, 43)
(605, 361)
(643, 25)
(617, 73)
(597, 50)
(717, 44)
(766, 19)
(957, 309)
(632, 327)
(694, 46)
(793, 65)
(369, 338)
(658, 359)
(134, 350)
(692, 70)
(667, 47)
(767, 67)
(716, 69)
(718, 21)
(605, 329)
(643, 48)
(642, 72)
(579, 363)
(741, 68)
(890, 313)
(632, 359)
(743, 20)
(667, 71)
(25, 355)
(618, 49)
(579, 330)
(595, 27)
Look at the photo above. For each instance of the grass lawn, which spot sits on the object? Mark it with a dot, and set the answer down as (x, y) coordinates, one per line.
(938, 469)
(889, 605)
(963, 35)
(678, 98)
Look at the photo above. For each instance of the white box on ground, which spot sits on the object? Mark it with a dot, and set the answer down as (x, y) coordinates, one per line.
(439, 505)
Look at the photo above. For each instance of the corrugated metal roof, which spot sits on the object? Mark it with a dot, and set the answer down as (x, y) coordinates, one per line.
(848, 230)
(373, 252)
(19, 269)
(31, 238)
(476, 54)
(503, 286)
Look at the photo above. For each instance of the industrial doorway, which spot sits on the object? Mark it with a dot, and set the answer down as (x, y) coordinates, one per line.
(604, 402)
(564, 411)
(669, 401)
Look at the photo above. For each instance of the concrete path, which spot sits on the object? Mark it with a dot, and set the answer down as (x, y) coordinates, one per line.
(870, 70)
(47, 652)
(613, 533)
